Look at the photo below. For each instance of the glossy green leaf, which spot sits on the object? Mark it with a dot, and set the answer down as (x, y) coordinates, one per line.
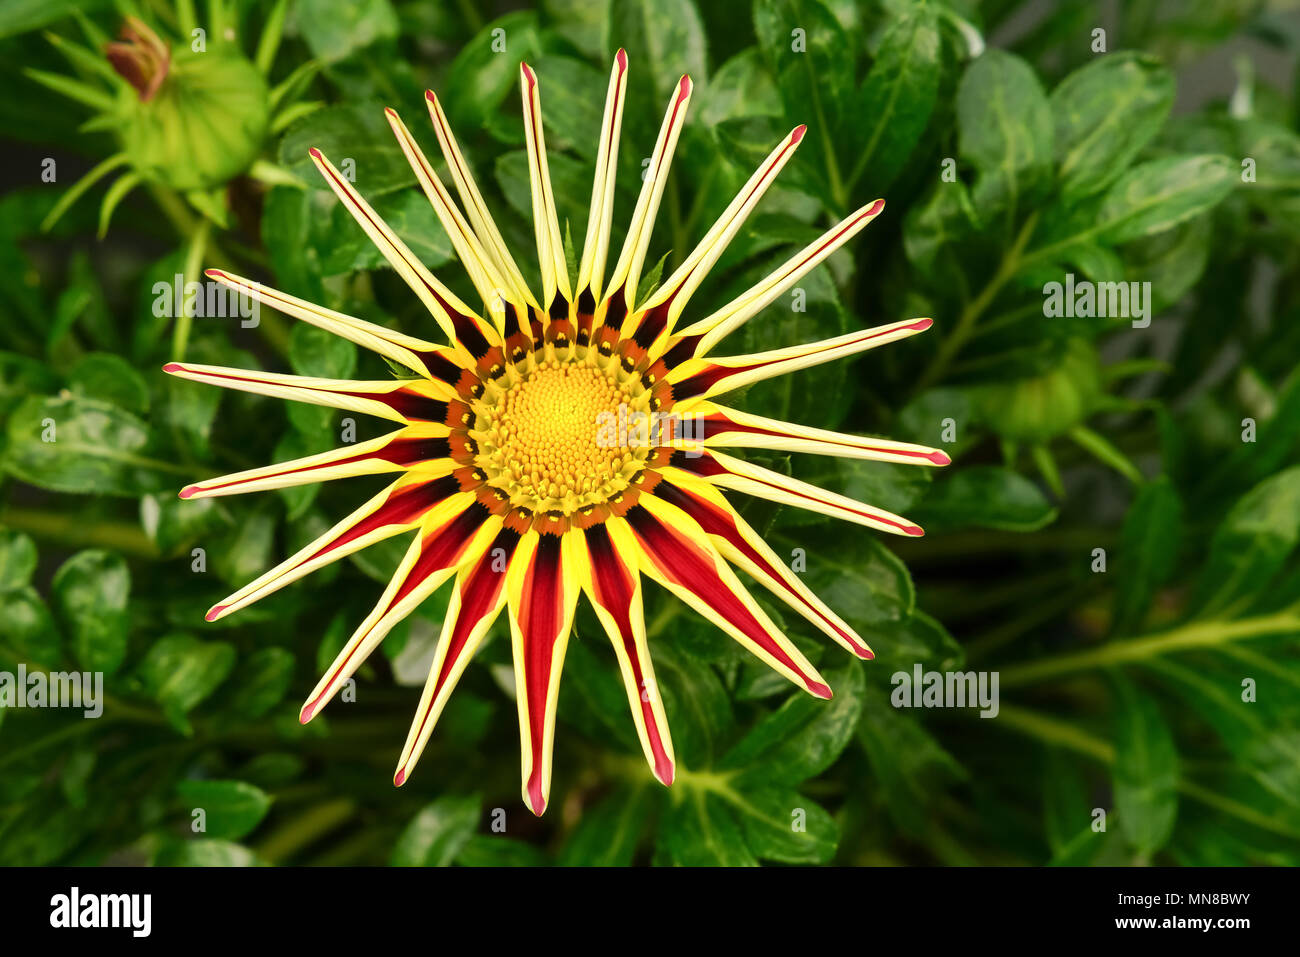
(1145, 773)
(438, 832)
(231, 809)
(986, 496)
(90, 592)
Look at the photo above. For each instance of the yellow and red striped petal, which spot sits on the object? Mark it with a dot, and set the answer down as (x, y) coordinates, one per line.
(415, 354)
(542, 592)
(627, 272)
(550, 244)
(728, 472)
(402, 506)
(713, 328)
(674, 551)
(394, 452)
(612, 582)
(485, 227)
(491, 284)
(739, 544)
(476, 600)
(664, 307)
(595, 250)
(702, 378)
(402, 400)
(462, 325)
(720, 427)
(447, 540)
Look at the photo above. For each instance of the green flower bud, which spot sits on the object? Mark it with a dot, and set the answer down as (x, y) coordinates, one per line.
(1041, 407)
(191, 120)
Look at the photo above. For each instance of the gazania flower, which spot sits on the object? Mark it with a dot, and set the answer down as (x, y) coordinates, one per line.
(564, 442)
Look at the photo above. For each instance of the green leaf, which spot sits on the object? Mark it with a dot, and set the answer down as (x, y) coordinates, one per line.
(984, 496)
(90, 594)
(261, 681)
(19, 16)
(695, 703)
(783, 825)
(699, 830)
(483, 74)
(1105, 113)
(664, 39)
(801, 738)
(897, 97)
(315, 352)
(1145, 772)
(740, 87)
(859, 577)
(354, 131)
(483, 850)
(180, 671)
(814, 73)
(1158, 195)
(912, 768)
(71, 444)
(334, 29)
(1148, 551)
(17, 559)
(1004, 128)
(111, 379)
(1252, 542)
(231, 809)
(608, 834)
(205, 852)
(29, 631)
(437, 833)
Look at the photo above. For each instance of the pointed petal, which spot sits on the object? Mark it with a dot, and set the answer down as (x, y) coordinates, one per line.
(484, 226)
(542, 593)
(393, 452)
(627, 272)
(741, 309)
(445, 542)
(406, 350)
(477, 599)
(739, 544)
(550, 245)
(458, 321)
(611, 581)
(399, 508)
(665, 306)
(728, 472)
(595, 251)
(675, 552)
(492, 286)
(701, 378)
(731, 428)
(402, 400)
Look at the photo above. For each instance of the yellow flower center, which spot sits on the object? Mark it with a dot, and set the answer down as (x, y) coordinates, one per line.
(551, 439)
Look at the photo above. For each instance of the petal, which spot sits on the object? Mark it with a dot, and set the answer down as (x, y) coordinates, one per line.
(701, 378)
(415, 354)
(627, 272)
(402, 400)
(399, 508)
(484, 226)
(477, 599)
(493, 287)
(458, 321)
(550, 245)
(542, 593)
(728, 472)
(674, 551)
(719, 427)
(662, 310)
(445, 542)
(739, 544)
(712, 328)
(393, 452)
(595, 251)
(611, 581)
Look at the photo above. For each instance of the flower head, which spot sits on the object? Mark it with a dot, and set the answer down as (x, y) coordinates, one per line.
(565, 442)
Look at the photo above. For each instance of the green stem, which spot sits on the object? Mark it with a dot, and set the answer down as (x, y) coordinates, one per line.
(1205, 634)
(951, 345)
(79, 530)
(193, 262)
(304, 829)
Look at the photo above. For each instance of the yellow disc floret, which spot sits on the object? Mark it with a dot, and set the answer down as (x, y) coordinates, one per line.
(551, 441)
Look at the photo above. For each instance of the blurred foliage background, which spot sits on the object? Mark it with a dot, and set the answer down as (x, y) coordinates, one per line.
(1116, 538)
